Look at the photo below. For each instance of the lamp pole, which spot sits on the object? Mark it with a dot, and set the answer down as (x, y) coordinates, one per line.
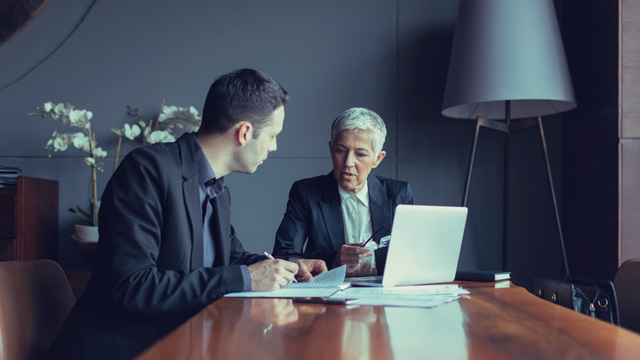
(505, 187)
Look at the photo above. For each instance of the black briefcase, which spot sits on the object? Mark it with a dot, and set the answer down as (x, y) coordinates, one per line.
(592, 297)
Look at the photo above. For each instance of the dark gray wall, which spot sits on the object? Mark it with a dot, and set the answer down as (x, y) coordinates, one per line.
(388, 55)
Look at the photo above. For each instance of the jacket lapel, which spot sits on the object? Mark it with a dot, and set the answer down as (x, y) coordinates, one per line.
(332, 212)
(381, 208)
(191, 199)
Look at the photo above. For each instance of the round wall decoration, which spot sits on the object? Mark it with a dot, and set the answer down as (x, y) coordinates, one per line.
(14, 14)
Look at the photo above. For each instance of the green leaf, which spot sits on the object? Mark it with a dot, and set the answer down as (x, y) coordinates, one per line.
(82, 214)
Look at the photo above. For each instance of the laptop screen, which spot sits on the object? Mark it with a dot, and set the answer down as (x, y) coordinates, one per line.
(425, 245)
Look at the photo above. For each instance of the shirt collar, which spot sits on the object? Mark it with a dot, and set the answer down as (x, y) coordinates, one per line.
(205, 172)
(362, 195)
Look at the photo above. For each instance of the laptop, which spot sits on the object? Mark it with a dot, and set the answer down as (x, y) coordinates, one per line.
(424, 247)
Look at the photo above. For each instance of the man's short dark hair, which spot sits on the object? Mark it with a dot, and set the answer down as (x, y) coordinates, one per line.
(241, 95)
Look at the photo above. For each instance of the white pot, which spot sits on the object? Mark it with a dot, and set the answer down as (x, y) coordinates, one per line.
(88, 233)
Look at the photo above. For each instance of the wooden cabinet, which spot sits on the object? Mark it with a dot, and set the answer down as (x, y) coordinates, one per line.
(29, 220)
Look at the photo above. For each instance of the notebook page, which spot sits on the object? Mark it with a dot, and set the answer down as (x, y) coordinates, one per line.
(331, 279)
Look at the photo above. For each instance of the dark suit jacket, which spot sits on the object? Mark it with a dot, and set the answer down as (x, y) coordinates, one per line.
(148, 274)
(314, 216)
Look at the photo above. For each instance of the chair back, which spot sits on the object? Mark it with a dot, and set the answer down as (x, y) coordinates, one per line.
(35, 298)
(627, 284)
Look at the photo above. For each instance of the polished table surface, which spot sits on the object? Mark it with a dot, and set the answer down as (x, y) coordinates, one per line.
(489, 323)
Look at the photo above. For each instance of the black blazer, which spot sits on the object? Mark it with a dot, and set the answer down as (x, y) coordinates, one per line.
(148, 274)
(314, 217)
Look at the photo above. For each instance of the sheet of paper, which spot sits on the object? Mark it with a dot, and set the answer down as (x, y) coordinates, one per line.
(421, 290)
(403, 300)
(323, 285)
(286, 293)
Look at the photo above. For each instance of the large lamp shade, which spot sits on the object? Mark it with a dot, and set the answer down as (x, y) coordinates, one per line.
(507, 50)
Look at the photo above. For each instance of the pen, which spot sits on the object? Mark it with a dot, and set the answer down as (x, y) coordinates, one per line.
(272, 258)
(375, 232)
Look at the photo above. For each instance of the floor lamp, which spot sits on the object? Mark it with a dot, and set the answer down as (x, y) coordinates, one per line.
(508, 62)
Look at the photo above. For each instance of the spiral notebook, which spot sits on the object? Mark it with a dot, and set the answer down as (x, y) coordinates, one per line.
(323, 285)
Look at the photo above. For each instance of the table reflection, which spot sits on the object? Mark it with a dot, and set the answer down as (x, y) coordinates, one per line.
(278, 329)
(439, 330)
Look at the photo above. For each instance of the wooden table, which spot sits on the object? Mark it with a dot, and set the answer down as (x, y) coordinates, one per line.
(489, 323)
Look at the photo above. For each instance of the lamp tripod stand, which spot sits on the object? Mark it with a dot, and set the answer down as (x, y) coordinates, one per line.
(507, 127)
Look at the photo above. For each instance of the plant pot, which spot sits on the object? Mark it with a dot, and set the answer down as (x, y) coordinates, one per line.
(86, 248)
(87, 233)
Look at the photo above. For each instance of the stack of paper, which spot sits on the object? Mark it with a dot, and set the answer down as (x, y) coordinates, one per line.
(8, 176)
(416, 296)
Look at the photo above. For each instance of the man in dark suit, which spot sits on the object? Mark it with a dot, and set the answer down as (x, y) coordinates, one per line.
(167, 248)
(330, 217)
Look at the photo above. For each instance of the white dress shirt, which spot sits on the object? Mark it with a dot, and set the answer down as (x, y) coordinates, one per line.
(356, 218)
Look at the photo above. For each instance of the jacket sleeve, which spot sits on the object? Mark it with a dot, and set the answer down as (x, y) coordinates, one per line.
(293, 229)
(407, 195)
(301, 224)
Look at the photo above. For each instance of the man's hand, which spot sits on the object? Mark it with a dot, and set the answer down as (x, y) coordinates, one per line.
(273, 311)
(270, 275)
(351, 255)
(308, 268)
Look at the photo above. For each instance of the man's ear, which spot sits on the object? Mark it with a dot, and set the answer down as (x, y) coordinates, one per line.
(379, 158)
(244, 132)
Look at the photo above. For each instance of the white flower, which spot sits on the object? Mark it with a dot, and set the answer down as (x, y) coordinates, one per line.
(80, 118)
(160, 136)
(167, 113)
(131, 132)
(99, 153)
(194, 112)
(52, 139)
(81, 141)
(61, 143)
(55, 110)
(89, 160)
(48, 106)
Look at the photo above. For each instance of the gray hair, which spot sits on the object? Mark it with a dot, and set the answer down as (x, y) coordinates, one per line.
(361, 119)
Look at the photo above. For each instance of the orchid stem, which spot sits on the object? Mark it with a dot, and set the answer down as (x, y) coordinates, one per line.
(115, 165)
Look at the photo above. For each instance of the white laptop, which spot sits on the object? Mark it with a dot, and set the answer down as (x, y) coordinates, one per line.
(424, 247)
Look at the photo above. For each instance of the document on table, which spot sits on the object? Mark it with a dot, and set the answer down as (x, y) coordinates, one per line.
(415, 296)
(323, 285)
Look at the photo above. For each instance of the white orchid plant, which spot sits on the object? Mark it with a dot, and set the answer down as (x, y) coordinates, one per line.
(170, 118)
(146, 132)
(84, 139)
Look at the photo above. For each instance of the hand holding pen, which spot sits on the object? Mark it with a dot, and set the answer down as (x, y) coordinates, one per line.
(372, 235)
(269, 256)
(353, 254)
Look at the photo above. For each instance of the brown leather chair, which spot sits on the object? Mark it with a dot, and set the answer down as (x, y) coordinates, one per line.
(35, 298)
(627, 284)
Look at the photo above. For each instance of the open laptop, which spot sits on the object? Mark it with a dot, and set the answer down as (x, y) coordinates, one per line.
(424, 247)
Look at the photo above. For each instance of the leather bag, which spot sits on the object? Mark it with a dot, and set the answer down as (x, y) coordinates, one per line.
(592, 297)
